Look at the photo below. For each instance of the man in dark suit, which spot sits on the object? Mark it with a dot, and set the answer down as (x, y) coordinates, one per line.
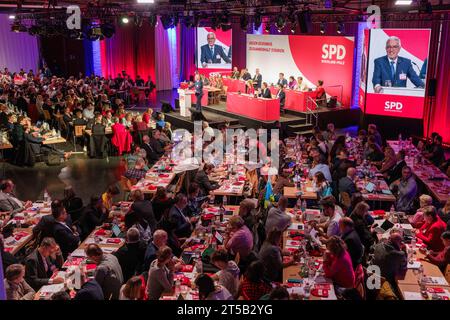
(152, 156)
(66, 237)
(396, 171)
(282, 96)
(347, 184)
(392, 70)
(42, 263)
(235, 73)
(265, 91)
(157, 145)
(352, 240)
(246, 75)
(257, 79)
(160, 238)
(282, 80)
(182, 224)
(212, 53)
(198, 85)
(201, 178)
(93, 215)
(143, 208)
(131, 255)
(90, 290)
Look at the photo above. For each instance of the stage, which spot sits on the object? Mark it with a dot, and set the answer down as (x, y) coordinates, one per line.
(293, 122)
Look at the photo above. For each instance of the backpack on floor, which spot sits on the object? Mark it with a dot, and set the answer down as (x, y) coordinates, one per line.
(53, 159)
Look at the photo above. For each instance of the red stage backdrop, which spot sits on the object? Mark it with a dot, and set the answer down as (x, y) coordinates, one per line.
(219, 60)
(401, 95)
(313, 57)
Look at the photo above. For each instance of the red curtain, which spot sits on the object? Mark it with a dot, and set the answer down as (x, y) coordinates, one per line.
(131, 49)
(437, 109)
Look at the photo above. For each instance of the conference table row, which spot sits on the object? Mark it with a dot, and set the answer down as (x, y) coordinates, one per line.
(437, 183)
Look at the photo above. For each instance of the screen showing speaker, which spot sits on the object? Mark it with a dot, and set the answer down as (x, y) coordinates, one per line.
(214, 50)
(394, 72)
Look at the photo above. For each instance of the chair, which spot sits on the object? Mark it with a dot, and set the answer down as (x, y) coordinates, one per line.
(179, 183)
(78, 131)
(126, 185)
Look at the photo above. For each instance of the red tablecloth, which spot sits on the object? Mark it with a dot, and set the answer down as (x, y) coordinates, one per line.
(296, 100)
(256, 108)
(204, 98)
(234, 85)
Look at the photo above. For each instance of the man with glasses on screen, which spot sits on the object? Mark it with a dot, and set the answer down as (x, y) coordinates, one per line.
(392, 70)
(212, 53)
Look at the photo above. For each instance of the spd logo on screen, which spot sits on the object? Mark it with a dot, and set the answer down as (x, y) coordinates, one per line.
(333, 54)
(393, 106)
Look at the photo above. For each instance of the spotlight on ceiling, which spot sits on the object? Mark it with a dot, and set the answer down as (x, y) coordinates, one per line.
(125, 20)
(257, 20)
(94, 33)
(108, 30)
(323, 26)
(167, 21)
(153, 20)
(12, 17)
(340, 27)
(293, 21)
(244, 22)
(225, 20)
(268, 25)
(17, 26)
(280, 23)
(403, 2)
(145, 1)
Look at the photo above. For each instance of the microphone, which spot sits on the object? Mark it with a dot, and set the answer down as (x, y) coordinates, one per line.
(418, 69)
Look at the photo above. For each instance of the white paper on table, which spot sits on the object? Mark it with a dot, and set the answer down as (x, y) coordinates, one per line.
(297, 290)
(79, 253)
(412, 295)
(108, 249)
(52, 288)
(436, 280)
(296, 226)
(293, 243)
(414, 265)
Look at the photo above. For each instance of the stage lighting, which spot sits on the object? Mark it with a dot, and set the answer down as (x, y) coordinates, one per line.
(175, 20)
(108, 30)
(34, 30)
(214, 23)
(167, 21)
(12, 17)
(340, 27)
(323, 26)
(268, 25)
(125, 20)
(257, 20)
(145, 1)
(153, 20)
(18, 27)
(94, 33)
(280, 23)
(244, 22)
(138, 21)
(403, 2)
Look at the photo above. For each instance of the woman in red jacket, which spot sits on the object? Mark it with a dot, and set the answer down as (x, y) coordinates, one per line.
(442, 258)
(431, 231)
(337, 263)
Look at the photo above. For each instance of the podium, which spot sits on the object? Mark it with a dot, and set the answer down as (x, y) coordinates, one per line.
(185, 97)
(401, 91)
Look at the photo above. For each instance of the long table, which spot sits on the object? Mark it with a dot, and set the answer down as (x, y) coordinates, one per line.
(439, 187)
(160, 175)
(234, 85)
(256, 108)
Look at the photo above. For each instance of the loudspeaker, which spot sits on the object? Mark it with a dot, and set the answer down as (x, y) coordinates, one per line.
(177, 104)
(332, 103)
(166, 107)
(432, 87)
